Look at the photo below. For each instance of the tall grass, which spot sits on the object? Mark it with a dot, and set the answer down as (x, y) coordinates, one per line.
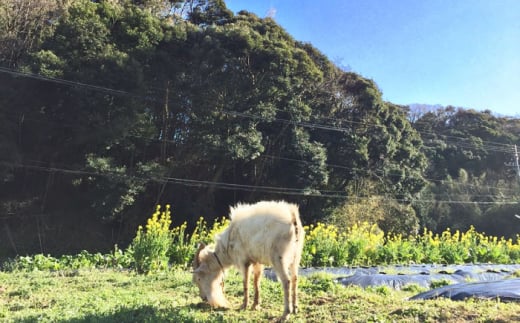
(157, 246)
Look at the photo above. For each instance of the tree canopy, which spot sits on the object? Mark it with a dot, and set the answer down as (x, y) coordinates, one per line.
(110, 107)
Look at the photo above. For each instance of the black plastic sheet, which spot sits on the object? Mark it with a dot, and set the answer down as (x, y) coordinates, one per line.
(505, 290)
(471, 280)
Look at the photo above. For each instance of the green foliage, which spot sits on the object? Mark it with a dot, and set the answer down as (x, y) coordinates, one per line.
(413, 288)
(145, 96)
(399, 218)
(371, 209)
(117, 259)
(471, 183)
(321, 246)
(156, 246)
(367, 245)
(383, 290)
(151, 244)
(184, 245)
(326, 246)
(439, 283)
(19, 37)
(390, 215)
(317, 283)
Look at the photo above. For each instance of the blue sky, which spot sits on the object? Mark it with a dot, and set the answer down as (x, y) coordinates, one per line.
(464, 53)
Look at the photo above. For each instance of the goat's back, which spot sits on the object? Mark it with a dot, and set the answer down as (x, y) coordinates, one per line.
(276, 210)
(256, 229)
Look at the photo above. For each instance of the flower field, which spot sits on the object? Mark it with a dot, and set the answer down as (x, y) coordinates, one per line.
(365, 244)
(156, 246)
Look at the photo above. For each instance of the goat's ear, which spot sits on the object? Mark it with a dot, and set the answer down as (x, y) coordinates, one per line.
(196, 260)
(199, 269)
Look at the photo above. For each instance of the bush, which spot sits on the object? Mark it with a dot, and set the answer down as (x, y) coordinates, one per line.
(151, 244)
(326, 246)
(322, 246)
(184, 245)
(364, 244)
(156, 246)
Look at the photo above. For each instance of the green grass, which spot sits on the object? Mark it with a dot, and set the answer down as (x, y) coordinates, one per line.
(123, 296)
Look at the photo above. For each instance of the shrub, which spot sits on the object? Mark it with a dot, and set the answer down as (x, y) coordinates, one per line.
(365, 244)
(151, 244)
(326, 246)
(322, 246)
(156, 246)
(184, 245)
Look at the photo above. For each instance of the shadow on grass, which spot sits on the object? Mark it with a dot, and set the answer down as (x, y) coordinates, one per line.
(146, 313)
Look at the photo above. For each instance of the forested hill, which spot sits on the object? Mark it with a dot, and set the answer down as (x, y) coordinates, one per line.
(108, 108)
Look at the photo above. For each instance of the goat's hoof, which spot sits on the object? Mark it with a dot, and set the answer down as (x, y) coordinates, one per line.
(284, 317)
(243, 307)
(256, 307)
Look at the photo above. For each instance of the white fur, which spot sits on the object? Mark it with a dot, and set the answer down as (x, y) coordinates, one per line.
(265, 233)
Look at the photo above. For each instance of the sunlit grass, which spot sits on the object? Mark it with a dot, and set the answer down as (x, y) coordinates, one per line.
(124, 296)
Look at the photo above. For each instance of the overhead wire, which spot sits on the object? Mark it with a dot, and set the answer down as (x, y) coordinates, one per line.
(492, 145)
(328, 165)
(246, 115)
(243, 187)
(73, 83)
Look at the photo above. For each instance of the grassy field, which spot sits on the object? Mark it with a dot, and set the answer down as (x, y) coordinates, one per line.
(123, 296)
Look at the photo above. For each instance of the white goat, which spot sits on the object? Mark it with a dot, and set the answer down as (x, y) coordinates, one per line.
(265, 233)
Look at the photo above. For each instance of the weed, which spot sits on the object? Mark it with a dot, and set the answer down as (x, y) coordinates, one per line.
(439, 283)
(151, 244)
(413, 288)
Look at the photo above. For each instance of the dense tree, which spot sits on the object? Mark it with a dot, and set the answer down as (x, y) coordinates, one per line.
(458, 138)
(23, 25)
(468, 152)
(370, 140)
(109, 107)
(208, 12)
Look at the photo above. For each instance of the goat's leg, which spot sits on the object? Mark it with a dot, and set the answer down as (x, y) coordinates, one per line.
(294, 272)
(257, 275)
(246, 271)
(281, 270)
(294, 287)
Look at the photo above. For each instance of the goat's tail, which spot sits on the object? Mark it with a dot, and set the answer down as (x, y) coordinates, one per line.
(297, 224)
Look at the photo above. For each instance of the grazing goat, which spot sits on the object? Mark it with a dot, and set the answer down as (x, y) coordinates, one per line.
(265, 233)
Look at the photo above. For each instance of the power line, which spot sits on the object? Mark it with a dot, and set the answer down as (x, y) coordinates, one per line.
(253, 116)
(328, 165)
(74, 83)
(243, 187)
(435, 134)
(463, 143)
(492, 146)
(351, 169)
(185, 181)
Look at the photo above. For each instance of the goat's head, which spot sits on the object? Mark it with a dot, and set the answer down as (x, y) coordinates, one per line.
(209, 277)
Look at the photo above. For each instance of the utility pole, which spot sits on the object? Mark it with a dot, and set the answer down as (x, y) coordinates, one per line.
(516, 162)
(164, 130)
